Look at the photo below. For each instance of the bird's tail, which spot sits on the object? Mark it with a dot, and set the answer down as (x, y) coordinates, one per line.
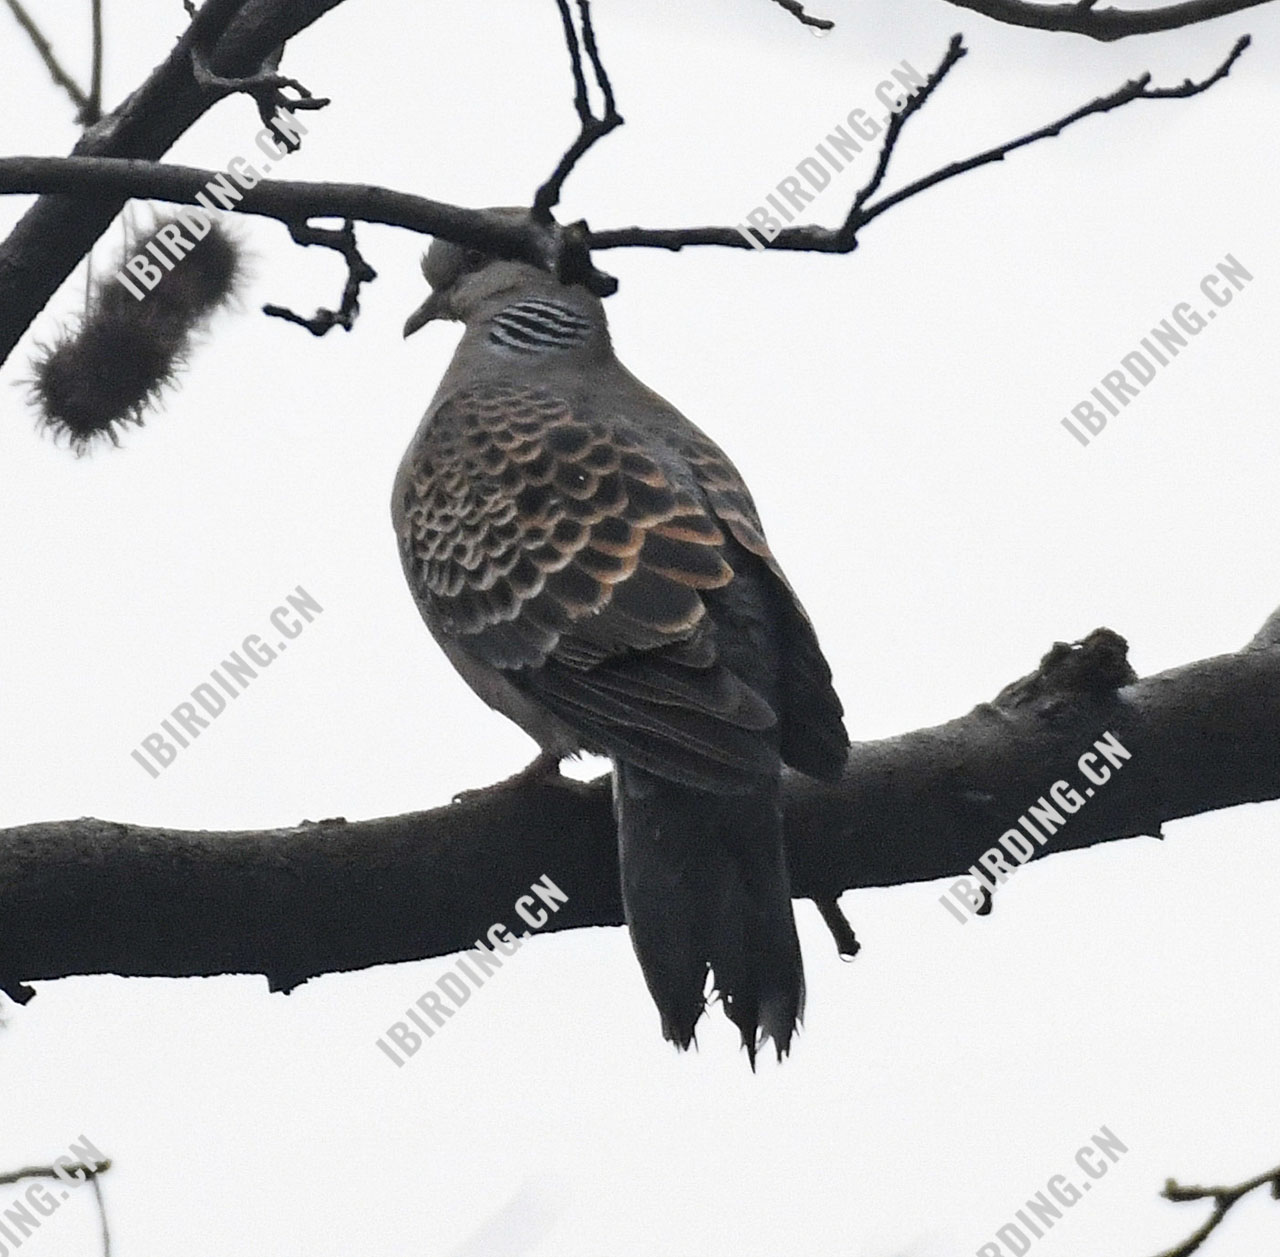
(704, 885)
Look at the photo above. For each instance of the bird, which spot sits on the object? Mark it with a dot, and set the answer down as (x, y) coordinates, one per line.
(594, 567)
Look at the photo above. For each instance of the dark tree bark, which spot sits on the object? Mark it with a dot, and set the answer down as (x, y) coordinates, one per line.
(1108, 24)
(235, 45)
(238, 37)
(90, 896)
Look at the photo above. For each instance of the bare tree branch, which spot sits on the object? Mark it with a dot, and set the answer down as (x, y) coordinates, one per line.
(1104, 24)
(54, 66)
(797, 10)
(265, 85)
(102, 1212)
(1223, 1199)
(236, 45)
(593, 128)
(89, 896)
(1079, 17)
(55, 233)
(90, 1171)
(93, 110)
(1135, 89)
(843, 239)
(849, 228)
(343, 241)
(561, 250)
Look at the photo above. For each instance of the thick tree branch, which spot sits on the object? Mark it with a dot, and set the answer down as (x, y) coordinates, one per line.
(563, 250)
(55, 233)
(1104, 24)
(90, 896)
(45, 246)
(551, 246)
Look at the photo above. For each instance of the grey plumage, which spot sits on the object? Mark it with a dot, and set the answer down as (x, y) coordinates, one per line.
(594, 567)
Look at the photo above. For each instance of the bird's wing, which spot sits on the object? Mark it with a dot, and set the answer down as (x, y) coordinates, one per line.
(811, 716)
(557, 549)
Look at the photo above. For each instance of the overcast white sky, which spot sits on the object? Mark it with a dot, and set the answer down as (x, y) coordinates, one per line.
(896, 413)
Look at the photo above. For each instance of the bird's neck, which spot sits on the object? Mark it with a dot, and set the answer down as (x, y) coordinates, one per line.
(536, 324)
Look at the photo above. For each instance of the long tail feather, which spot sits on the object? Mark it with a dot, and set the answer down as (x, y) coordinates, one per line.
(705, 887)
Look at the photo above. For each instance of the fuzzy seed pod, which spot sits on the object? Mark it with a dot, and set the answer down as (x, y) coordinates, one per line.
(109, 368)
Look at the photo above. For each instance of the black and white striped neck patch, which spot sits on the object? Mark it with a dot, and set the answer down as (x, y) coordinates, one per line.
(535, 326)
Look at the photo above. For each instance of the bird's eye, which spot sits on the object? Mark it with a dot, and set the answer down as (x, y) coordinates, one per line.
(473, 258)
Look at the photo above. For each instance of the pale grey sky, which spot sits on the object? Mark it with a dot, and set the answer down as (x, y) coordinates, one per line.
(896, 413)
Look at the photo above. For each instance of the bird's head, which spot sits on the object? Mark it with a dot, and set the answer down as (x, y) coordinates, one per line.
(465, 280)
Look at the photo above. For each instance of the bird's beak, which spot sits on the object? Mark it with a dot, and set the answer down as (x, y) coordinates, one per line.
(434, 307)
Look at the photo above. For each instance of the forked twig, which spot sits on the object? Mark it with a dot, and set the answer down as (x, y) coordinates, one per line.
(592, 127)
(843, 239)
(341, 240)
(89, 1171)
(1223, 1199)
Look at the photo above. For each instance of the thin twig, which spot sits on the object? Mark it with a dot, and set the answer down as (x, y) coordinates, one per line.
(102, 1215)
(1223, 1199)
(43, 47)
(89, 1170)
(359, 272)
(843, 239)
(597, 66)
(266, 86)
(955, 50)
(86, 1172)
(92, 112)
(1135, 89)
(581, 101)
(565, 251)
(592, 128)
